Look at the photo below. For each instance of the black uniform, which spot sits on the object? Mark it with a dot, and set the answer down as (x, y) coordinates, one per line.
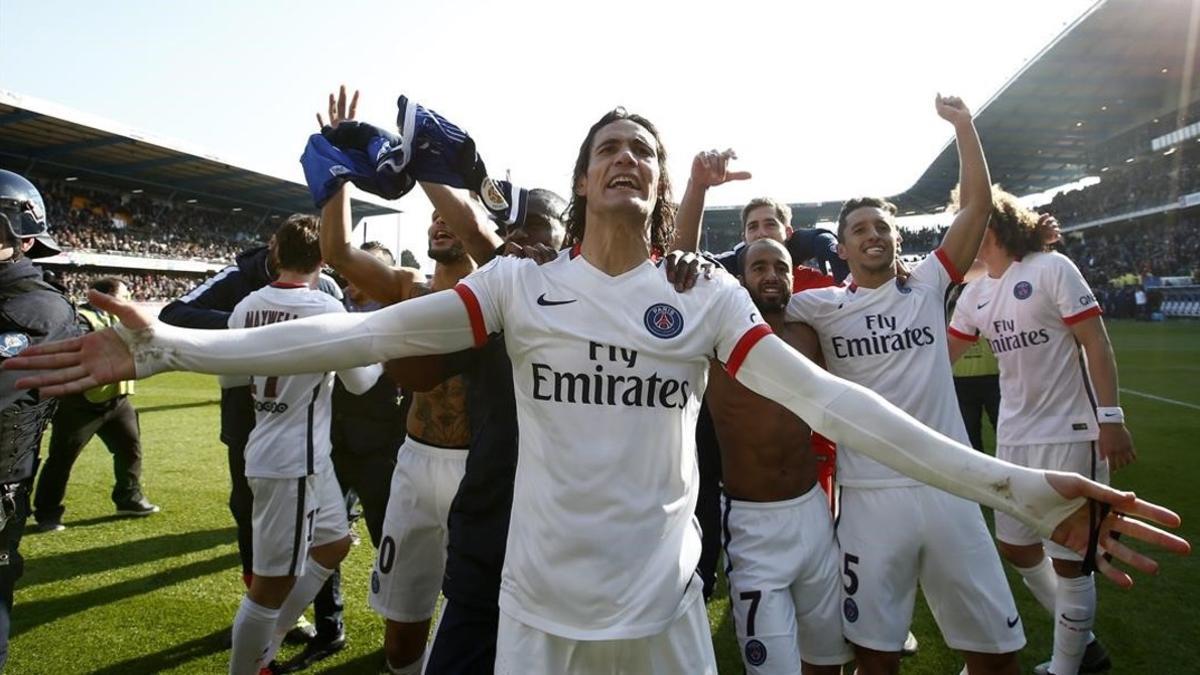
(805, 244)
(465, 643)
(366, 432)
(31, 312)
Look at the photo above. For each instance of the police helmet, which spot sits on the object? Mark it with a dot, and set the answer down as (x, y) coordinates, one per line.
(23, 213)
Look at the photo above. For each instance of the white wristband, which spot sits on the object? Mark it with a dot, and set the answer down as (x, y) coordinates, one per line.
(1110, 415)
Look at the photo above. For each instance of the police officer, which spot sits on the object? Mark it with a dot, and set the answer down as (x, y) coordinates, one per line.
(104, 411)
(31, 311)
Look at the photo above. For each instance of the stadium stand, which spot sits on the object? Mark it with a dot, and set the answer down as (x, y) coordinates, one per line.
(152, 211)
(1109, 98)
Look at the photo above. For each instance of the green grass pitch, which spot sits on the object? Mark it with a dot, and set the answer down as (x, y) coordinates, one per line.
(119, 596)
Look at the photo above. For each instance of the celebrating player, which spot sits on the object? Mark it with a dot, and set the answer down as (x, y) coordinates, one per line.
(1036, 311)
(782, 558)
(300, 532)
(888, 334)
(609, 362)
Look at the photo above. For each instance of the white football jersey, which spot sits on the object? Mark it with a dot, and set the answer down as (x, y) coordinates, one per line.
(892, 340)
(1026, 317)
(290, 438)
(609, 373)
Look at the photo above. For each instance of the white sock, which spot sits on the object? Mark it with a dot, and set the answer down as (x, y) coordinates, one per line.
(1076, 599)
(1042, 581)
(414, 668)
(253, 627)
(303, 592)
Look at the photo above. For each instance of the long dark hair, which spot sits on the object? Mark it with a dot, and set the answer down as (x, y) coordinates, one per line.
(662, 220)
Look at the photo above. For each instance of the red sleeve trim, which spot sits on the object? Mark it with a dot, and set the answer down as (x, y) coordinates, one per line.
(1088, 313)
(474, 313)
(743, 346)
(961, 335)
(955, 275)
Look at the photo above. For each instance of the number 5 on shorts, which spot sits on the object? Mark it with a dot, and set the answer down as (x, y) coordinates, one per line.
(851, 585)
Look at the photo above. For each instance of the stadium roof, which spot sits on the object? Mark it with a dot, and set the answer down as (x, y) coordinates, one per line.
(1121, 64)
(51, 141)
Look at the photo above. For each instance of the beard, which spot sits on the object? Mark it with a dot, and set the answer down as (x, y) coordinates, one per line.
(771, 306)
(448, 255)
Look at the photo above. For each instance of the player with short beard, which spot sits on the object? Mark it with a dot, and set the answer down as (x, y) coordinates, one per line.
(889, 334)
(601, 556)
(430, 463)
(782, 559)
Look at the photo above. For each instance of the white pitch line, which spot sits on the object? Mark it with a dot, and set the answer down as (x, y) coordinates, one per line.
(1143, 394)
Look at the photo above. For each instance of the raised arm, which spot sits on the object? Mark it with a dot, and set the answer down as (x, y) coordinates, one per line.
(962, 240)
(139, 347)
(709, 169)
(1051, 502)
(467, 219)
(385, 284)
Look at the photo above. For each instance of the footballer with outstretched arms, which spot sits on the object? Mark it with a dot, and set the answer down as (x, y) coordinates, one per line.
(609, 363)
(411, 556)
(781, 555)
(1058, 410)
(300, 532)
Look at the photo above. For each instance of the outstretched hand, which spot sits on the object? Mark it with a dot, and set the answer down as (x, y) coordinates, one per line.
(711, 168)
(1075, 531)
(337, 109)
(952, 109)
(81, 363)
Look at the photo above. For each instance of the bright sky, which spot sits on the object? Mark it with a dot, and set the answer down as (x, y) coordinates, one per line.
(821, 100)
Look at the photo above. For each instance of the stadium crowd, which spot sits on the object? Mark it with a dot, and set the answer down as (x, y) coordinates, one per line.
(1110, 254)
(144, 286)
(89, 220)
(1144, 183)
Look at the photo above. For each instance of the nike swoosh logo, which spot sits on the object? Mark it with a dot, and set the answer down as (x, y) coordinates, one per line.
(1082, 620)
(1013, 621)
(550, 303)
(983, 305)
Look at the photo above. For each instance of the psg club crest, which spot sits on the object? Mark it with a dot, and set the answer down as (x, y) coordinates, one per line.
(12, 344)
(756, 653)
(1022, 290)
(850, 609)
(904, 288)
(663, 321)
